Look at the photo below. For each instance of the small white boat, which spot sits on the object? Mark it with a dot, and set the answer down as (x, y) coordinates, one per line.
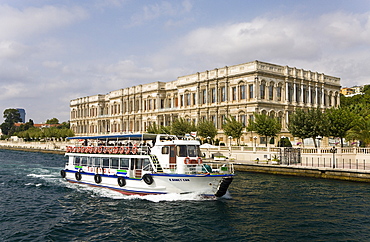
(145, 164)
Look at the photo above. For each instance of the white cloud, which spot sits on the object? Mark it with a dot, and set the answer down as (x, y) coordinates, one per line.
(11, 91)
(163, 8)
(345, 30)
(51, 64)
(19, 23)
(11, 50)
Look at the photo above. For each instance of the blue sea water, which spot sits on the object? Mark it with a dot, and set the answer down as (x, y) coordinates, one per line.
(37, 205)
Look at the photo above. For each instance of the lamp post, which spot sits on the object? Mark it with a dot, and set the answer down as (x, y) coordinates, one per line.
(255, 141)
(230, 138)
(333, 150)
(282, 140)
(208, 138)
(319, 138)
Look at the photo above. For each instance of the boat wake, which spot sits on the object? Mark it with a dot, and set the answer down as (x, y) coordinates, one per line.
(107, 193)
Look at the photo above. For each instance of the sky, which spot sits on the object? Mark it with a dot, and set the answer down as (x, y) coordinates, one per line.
(54, 51)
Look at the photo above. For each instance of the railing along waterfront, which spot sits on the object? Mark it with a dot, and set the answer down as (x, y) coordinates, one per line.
(353, 158)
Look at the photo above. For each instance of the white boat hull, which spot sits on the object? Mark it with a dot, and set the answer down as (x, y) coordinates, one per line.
(203, 184)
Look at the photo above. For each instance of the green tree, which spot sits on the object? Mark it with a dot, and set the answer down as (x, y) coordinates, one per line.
(158, 129)
(181, 127)
(361, 130)
(264, 125)
(206, 129)
(52, 121)
(308, 124)
(233, 128)
(340, 121)
(11, 116)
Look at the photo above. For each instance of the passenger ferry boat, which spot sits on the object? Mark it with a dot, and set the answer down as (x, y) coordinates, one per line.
(145, 164)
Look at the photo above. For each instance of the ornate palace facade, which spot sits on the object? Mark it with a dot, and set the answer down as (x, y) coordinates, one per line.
(238, 90)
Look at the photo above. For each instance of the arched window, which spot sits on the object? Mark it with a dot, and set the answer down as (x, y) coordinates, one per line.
(262, 90)
(271, 91)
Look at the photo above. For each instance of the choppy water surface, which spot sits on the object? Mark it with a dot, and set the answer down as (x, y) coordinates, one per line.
(37, 205)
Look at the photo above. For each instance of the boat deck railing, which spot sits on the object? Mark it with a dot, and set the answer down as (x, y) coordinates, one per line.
(221, 167)
(127, 150)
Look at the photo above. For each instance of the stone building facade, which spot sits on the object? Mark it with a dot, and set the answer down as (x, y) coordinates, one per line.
(238, 90)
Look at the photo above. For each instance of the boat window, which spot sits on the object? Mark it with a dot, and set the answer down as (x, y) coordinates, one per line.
(83, 161)
(89, 162)
(124, 163)
(165, 150)
(105, 162)
(188, 150)
(146, 164)
(96, 161)
(138, 163)
(182, 151)
(114, 163)
(76, 161)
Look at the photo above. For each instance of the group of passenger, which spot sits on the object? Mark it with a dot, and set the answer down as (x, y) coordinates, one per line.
(141, 147)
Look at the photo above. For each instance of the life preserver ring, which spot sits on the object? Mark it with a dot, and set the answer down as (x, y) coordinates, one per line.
(68, 149)
(134, 150)
(108, 150)
(74, 150)
(95, 150)
(127, 150)
(148, 179)
(78, 176)
(122, 150)
(97, 178)
(100, 150)
(187, 160)
(199, 160)
(115, 150)
(121, 181)
(63, 173)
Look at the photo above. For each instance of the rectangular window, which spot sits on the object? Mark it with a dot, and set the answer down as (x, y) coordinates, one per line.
(83, 161)
(204, 96)
(114, 163)
(188, 99)
(146, 164)
(165, 150)
(194, 99)
(233, 91)
(181, 100)
(76, 161)
(297, 93)
(124, 163)
(223, 94)
(96, 162)
(213, 95)
(243, 119)
(251, 94)
(242, 92)
(106, 162)
(223, 118)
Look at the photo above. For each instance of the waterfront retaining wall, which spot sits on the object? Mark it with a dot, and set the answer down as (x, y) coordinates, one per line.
(327, 173)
